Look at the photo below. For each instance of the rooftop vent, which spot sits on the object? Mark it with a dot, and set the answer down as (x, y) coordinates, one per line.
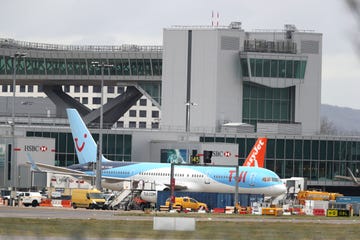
(235, 25)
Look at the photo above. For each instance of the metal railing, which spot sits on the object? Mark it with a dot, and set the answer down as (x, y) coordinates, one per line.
(11, 43)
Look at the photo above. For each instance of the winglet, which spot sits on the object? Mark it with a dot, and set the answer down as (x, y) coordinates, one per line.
(256, 157)
(353, 177)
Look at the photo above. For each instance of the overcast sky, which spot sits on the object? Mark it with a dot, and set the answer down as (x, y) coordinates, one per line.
(116, 22)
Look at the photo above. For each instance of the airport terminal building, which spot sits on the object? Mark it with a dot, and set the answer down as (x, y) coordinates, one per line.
(218, 85)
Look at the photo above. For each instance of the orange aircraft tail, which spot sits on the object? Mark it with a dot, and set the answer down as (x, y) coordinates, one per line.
(256, 157)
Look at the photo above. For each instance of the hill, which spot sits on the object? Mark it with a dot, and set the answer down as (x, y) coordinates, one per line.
(345, 120)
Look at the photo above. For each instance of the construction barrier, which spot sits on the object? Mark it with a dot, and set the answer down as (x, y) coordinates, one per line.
(66, 203)
(46, 203)
(218, 210)
(319, 212)
(229, 209)
(56, 203)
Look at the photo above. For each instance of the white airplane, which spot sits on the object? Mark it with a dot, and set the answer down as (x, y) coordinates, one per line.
(190, 178)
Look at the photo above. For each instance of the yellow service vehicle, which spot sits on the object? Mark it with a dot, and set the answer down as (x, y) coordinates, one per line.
(87, 198)
(187, 203)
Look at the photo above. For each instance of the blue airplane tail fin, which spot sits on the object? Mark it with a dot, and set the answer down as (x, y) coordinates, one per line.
(85, 145)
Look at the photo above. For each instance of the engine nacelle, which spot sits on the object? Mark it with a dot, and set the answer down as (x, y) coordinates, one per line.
(149, 196)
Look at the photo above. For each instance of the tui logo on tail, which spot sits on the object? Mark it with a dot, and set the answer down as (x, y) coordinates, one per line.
(80, 148)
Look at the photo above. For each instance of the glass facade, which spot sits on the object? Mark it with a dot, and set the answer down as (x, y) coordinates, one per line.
(116, 147)
(314, 159)
(264, 104)
(64, 66)
(273, 68)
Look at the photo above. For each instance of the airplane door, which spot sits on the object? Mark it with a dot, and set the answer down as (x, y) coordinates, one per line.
(252, 179)
(207, 179)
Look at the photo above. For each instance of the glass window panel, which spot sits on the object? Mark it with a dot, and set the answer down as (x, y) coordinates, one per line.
(289, 167)
(140, 66)
(303, 68)
(134, 67)
(315, 149)
(70, 66)
(270, 149)
(298, 168)
(268, 110)
(306, 149)
(249, 145)
(253, 108)
(274, 68)
(306, 169)
(322, 170)
(246, 91)
(119, 146)
(241, 144)
(342, 150)
(330, 150)
(276, 110)
(270, 164)
(244, 67)
(266, 68)
(219, 139)
(261, 109)
(297, 69)
(126, 67)
(289, 143)
(336, 150)
(289, 68)
(62, 67)
(280, 148)
(252, 66)
(298, 149)
(284, 111)
(147, 67)
(258, 67)
(282, 68)
(323, 150)
(246, 108)
(127, 139)
(2, 65)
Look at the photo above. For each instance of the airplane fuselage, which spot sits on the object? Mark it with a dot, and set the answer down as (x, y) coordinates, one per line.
(193, 178)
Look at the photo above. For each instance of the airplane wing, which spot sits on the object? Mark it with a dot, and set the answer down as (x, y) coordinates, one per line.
(351, 178)
(54, 169)
(75, 173)
(343, 177)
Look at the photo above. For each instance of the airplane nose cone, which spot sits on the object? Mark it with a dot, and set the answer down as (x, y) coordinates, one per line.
(278, 190)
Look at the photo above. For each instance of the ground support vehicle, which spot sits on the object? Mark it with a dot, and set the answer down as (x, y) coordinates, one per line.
(187, 203)
(87, 198)
(30, 198)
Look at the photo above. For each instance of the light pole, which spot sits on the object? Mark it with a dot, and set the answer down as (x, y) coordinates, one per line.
(187, 127)
(99, 155)
(14, 167)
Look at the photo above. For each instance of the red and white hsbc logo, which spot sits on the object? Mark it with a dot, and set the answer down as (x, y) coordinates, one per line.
(221, 153)
(35, 148)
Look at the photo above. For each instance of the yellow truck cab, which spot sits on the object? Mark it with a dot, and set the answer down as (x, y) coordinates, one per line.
(87, 198)
(187, 203)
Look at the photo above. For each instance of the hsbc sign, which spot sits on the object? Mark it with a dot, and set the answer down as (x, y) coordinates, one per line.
(35, 148)
(221, 153)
